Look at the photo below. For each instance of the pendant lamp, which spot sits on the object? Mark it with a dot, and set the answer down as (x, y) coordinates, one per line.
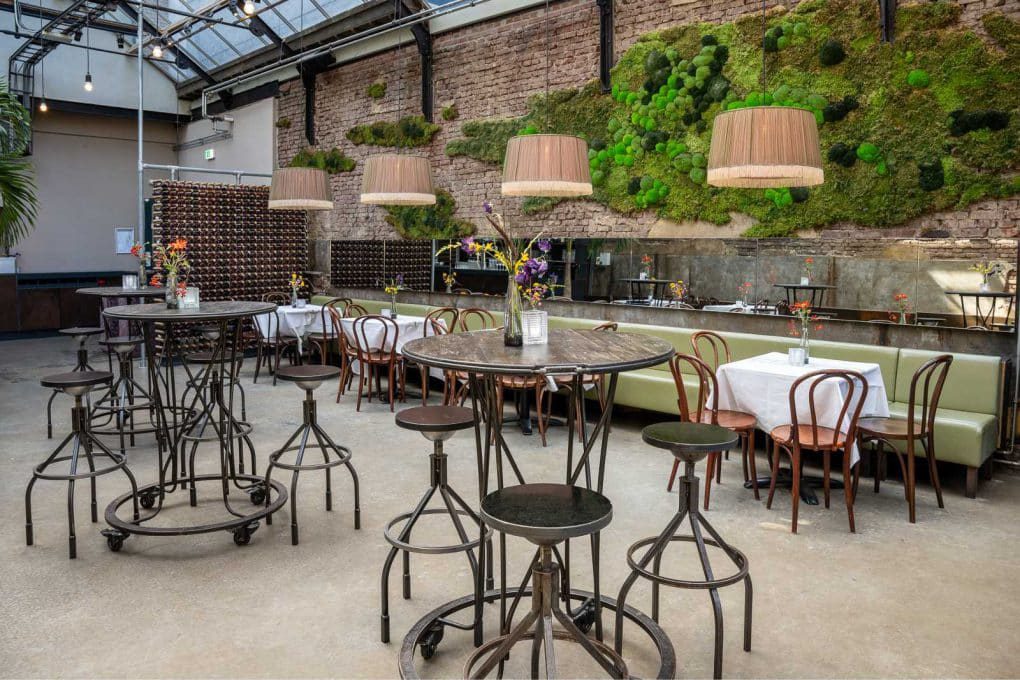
(397, 179)
(546, 165)
(765, 147)
(762, 147)
(300, 189)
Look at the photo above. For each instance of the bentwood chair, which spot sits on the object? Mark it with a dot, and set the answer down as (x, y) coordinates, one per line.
(348, 352)
(271, 344)
(277, 298)
(713, 349)
(440, 321)
(322, 341)
(374, 357)
(740, 423)
(469, 319)
(905, 433)
(798, 437)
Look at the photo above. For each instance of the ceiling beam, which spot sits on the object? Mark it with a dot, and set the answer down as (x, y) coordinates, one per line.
(149, 28)
(48, 14)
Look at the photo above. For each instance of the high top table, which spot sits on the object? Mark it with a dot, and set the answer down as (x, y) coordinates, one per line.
(569, 352)
(185, 418)
(982, 317)
(108, 295)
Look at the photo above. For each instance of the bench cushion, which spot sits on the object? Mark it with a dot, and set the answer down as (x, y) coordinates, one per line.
(960, 436)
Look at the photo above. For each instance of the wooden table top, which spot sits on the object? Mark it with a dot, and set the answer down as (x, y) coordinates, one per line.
(208, 311)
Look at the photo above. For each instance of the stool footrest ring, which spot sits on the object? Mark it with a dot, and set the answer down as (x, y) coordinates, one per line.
(430, 549)
(734, 554)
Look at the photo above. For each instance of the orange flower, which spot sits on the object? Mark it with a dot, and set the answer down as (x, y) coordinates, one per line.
(155, 281)
(179, 244)
(809, 260)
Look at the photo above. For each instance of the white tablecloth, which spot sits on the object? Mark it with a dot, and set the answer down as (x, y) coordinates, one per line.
(761, 385)
(294, 321)
(408, 328)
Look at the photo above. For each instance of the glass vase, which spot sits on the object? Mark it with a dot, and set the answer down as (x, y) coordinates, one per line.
(535, 324)
(393, 307)
(171, 291)
(513, 331)
(805, 343)
(903, 318)
(143, 281)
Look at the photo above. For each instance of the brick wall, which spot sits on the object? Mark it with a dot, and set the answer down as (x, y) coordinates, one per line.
(489, 71)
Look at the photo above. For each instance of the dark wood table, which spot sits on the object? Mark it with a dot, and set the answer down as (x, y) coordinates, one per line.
(658, 287)
(817, 291)
(202, 412)
(983, 318)
(569, 352)
(110, 296)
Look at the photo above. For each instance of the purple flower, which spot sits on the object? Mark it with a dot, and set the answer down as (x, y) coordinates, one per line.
(544, 245)
(487, 207)
(400, 279)
(466, 243)
(522, 277)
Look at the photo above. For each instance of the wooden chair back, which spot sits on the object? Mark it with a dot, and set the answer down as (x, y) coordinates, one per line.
(354, 310)
(439, 316)
(711, 348)
(328, 328)
(277, 298)
(925, 392)
(485, 318)
(272, 327)
(707, 385)
(386, 348)
(854, 384)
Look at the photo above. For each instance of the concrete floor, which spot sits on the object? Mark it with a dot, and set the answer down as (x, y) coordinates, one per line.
(935, 599)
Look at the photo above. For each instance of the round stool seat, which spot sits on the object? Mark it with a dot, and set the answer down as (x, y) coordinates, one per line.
(690, 441)
(436, 418)
(82, 331)
(76, 382)
(308, 376)
(546, 513)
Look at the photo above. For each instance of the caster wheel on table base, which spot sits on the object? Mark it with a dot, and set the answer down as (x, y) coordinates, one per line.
(430, 641)
(242, 534)
(114, 539)
(257, 494)
(584, 618)
(147, 499)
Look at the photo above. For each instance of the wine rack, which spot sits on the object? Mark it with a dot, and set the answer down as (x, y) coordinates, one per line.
(367, 264)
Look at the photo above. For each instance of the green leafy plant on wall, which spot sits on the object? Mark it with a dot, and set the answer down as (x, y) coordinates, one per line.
(377, 90)
(283, 123)
(409, 131)
(893, 118)
(430, 222)
(333, 161)
(450, 112)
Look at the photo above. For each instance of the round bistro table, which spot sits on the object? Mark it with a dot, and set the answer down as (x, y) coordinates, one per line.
(110, 296)
(202, 412)
(981, 317)
(570, 352)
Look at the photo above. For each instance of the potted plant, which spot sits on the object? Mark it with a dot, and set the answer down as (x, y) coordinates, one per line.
(18, 202)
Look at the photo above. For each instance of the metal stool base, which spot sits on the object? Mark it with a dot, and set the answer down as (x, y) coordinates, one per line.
(688, 509)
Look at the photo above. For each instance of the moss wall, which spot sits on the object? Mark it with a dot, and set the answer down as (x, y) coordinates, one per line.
(925, 124)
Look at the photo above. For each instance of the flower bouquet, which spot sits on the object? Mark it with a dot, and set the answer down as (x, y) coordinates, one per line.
(808, 266)
(173, 260)
(391, 288)
(744, 292)
(450, 280)
(646, 267)
(902, 302)
(987, 270)
(296, 283)
(805, 315)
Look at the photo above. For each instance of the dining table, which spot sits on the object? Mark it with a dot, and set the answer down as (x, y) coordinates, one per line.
(986, 302)
(572, 353)
(760, 385)
(293, 321)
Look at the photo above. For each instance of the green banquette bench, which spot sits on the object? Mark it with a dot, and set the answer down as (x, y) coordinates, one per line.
(966, 426)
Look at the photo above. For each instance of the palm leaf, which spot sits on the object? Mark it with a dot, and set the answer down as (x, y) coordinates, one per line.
(17, 182)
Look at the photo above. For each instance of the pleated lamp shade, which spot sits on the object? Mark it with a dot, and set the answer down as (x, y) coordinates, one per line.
(765, 147)
(546, 165)
(300, 189)
(397, 179)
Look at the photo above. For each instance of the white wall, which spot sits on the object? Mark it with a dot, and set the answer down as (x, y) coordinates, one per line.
(115, 77)
(251, 148)
(86, 184)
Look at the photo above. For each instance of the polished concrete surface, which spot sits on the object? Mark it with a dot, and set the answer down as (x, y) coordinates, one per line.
(937, 598)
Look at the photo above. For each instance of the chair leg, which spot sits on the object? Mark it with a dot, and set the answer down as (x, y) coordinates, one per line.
(713, 464)
(911, 481)
(538, 412)
(848, 489)
(749, 459)
(972, 482)
(672, 475)
(389, 383)
(361, 384)
(424, 385)
(933, 469)
(826, 472)
(795, 489)
(774, 458)
(879, 464)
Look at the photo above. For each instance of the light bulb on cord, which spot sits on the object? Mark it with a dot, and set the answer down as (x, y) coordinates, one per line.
(88, 82)
(249, 7)
(43, 107)
(157, 51)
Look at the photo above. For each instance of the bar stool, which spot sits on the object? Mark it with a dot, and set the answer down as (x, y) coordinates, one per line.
(80, 334)
(545, 514)
(77, 384)
(309, 377)
(125, 395)
(437, 424)
(689, 443)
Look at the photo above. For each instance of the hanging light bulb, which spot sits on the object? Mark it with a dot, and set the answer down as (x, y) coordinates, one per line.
(249, 7)
(43, 106)
(88, 57)
(157, 51)
(88, 82)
